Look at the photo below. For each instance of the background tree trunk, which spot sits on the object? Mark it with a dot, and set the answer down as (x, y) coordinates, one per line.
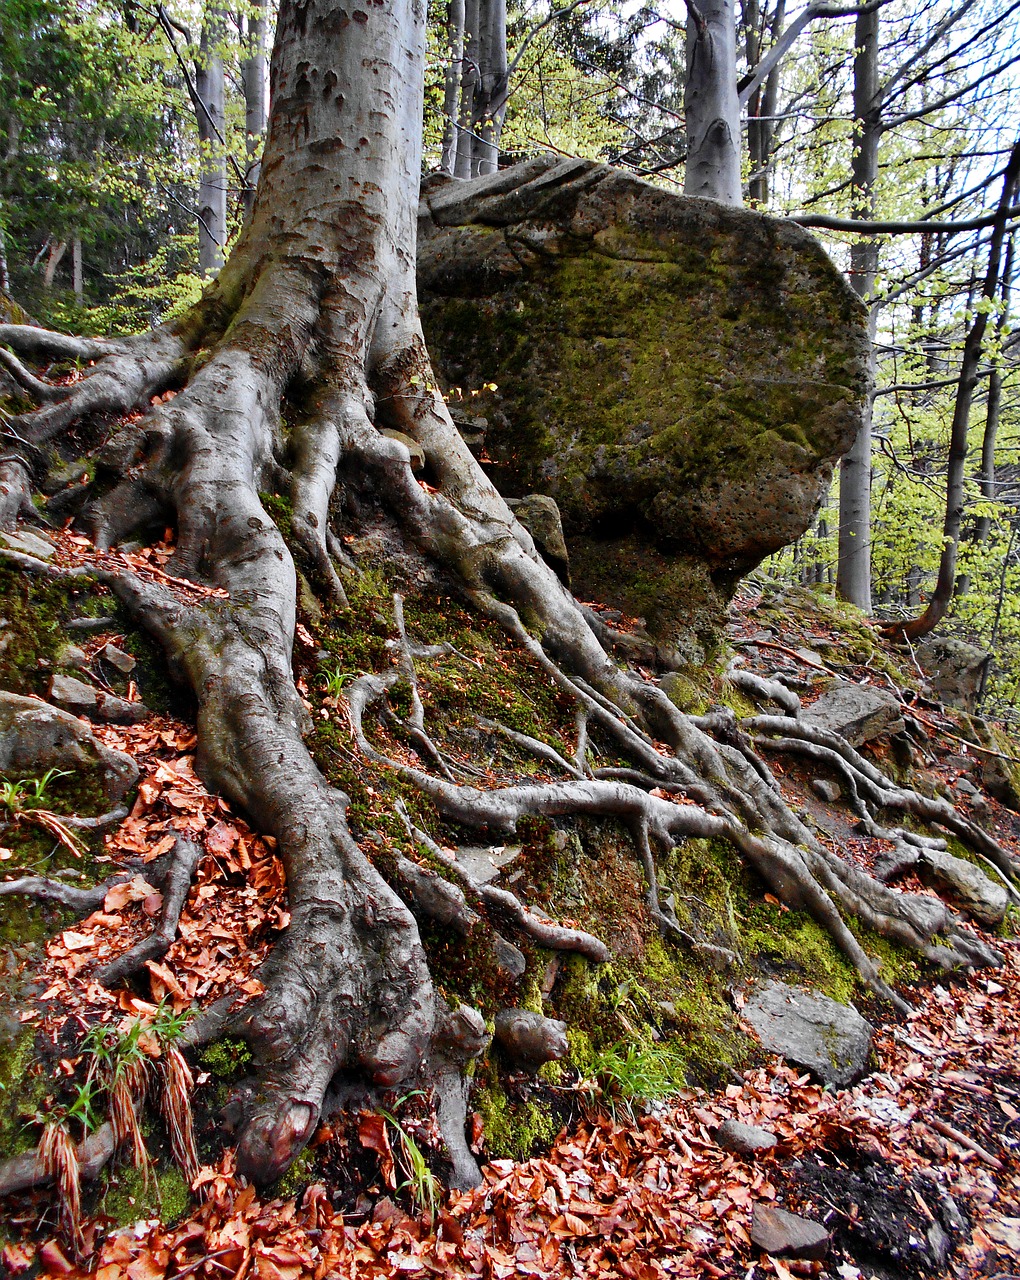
(710, 103)
(451, 85)
(853, 572)
(255, 83)
(211, 120)
(942, 596)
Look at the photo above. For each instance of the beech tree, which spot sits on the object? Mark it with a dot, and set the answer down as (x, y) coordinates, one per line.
(316, 309)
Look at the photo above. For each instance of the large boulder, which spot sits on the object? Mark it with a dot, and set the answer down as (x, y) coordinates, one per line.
(679, 375)
(955, 669)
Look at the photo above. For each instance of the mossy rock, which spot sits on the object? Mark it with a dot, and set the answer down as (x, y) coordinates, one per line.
(670, 370)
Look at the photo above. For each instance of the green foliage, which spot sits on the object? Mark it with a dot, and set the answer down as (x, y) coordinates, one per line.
(629, 1073)
(29, 793)
(420, 1182)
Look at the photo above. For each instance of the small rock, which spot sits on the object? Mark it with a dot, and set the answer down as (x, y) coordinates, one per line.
(745, 1139)
(410, 444)
(35, 737)
(485, 862)
(69, 655)
(830, 1039)
(77, 695)
(856, 712)
(966, 787)
(787, 1235)
(84, 700)
(30, 544)
(954, 669)
(123, 662)
(825, 790)
(980, 896)
(939, 1244)
(541, 517)
(531, 1038)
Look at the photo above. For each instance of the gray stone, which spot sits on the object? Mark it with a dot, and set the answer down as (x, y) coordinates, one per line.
(541, 517)
(484, 862)
(856, 712)
(825, 790)
(831, 1040)
(70, 655)
(531, 1038)
(30, 544)
(410, 444)
(977, 894)
(954, 669)
(745, 1139)
(35, 737)
(117, 658)
(613, 372)
(787, 1235)
(85, 700)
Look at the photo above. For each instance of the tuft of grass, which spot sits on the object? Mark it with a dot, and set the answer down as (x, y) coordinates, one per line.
(420, 1183)
(627, 1074)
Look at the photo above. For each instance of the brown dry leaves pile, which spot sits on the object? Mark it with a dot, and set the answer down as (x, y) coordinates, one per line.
(236, 905)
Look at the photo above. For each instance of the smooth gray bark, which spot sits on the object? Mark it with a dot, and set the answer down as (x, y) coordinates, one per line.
(255, 84)
(853, 572)
(451, 85)
(210, 116)
(710, 103)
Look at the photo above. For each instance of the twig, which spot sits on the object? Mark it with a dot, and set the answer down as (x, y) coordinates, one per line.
(962, 1140)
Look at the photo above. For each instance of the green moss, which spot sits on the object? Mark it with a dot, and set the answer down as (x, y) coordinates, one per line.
(226, 1058)
(22, 1088)
(517, 1130)
(297, 1176)
(129, 1196)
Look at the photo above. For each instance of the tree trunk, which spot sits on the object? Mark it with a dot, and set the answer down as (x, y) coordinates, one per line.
(994, 407)
(853, 573)
(710, 104)
(210, 114)
(451, 85)
(483, 88)
(77, 280)
(57, 249)
(255, 83)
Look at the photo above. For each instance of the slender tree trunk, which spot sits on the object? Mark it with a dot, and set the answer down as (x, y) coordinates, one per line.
(942, 596)
(451, 85)
(483, 88)
(255, 82)
(77, 280)
(5, 279)
(470, 75)
(210, 112)
(491, 97)
(994, 408)
(56, 252)
(853, 574)
(710, 104)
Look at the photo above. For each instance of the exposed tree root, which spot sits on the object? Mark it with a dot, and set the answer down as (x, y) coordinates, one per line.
(324, 313)
(175, 879)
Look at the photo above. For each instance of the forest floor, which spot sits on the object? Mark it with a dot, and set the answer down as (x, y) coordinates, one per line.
(915, 1170)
